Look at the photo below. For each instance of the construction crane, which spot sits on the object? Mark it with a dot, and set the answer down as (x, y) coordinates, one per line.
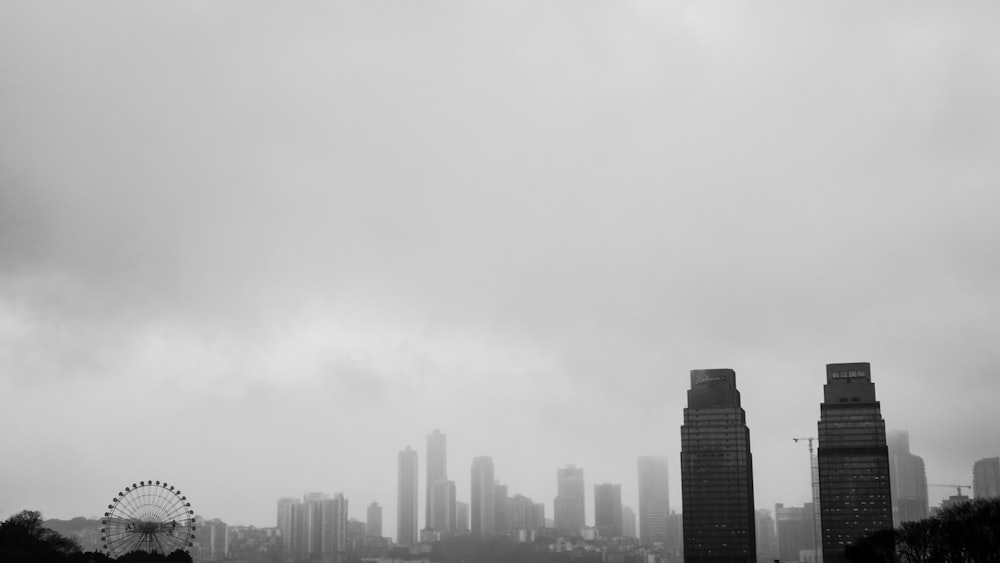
(958, 488)
(814, 478)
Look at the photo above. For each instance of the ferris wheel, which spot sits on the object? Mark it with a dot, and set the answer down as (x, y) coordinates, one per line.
(151, 516)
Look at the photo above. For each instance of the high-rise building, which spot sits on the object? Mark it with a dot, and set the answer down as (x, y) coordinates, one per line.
(628, 522)
(442, 499)
(570, 509)
(855, 497)
(654, 499)
(907, 480)
(767, 540)
(608, 510)
(462, 516)
(406, 499)
(313, 523)
(437, 470)
(333, 534)
(373, 524)
(285, 508)
(716, 472)
(525, 514)
(986, 478)
(483, 509)
(795, 530)
(501, 508)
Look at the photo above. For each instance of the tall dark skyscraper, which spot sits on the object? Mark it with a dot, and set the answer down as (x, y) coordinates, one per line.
(907, 480)
(855, 496)
(986, 478)
(716, 472)
(437, 470)
(482, 509)
(570, 508)
(407, 498)
(608, 510)
(654, 499)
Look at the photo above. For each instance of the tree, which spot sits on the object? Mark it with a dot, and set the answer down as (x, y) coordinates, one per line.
(24, 538)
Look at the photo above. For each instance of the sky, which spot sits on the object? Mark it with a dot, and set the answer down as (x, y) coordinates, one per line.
(256, 249)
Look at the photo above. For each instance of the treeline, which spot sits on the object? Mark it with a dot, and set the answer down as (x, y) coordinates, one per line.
(24, 539)
(962, 533)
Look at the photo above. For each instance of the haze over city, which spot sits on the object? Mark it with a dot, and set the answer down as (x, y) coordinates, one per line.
(256, 250)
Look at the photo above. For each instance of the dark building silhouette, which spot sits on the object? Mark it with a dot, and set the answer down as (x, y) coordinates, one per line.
(608, 510)
(716, 472)
(482, 505)
(986, 478)
(855, 495)
(654, 499)
(570, 509)
(407, 498)
(907, 480)
(501, 508)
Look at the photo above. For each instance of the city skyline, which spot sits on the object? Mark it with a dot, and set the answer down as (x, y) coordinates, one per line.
(282, 243)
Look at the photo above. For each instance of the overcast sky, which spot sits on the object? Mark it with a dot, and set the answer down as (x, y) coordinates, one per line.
(256, 249)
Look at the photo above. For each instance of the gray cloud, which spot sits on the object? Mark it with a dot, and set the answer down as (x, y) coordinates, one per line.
(322, 231)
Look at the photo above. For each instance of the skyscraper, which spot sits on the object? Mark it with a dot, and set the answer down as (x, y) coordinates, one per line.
(986, 478)
(654, 499)
(373, 525)
(795, 529)
(462, 516)
(628, 522)
(501, 508)
(570, 509)
(437, 470)
(285, 508)
(716, 472)
(608, 510)
(483, 510)
(907, 480)
(855, 497)
(406, 515)
(442, 499)
(333, 535)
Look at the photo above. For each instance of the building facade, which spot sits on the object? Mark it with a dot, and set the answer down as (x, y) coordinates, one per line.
(482, 505)
(795, 531)
(436, 516)
(373, 522)
(570, 506)
(907, 480)
(855, 496)
(986, 478)
(407, 498)
(608, 510)
(716, 472)
(654, 499)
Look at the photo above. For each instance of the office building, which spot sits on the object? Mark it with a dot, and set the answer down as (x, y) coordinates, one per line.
(406, 498)
(526, 514)
(437, 470)
(716, 472)
(654, 499)
(986, 478)
(442, 499)
(462, 516)
(767, 539)
(608, 510)
(795, 530)
(501, 508)
(907, 480)
(373, 523)
(855, 496)
(482, 506)
(629, 529)
(570, 508)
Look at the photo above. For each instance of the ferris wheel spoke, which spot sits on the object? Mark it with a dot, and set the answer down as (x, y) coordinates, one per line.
(148, 517)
